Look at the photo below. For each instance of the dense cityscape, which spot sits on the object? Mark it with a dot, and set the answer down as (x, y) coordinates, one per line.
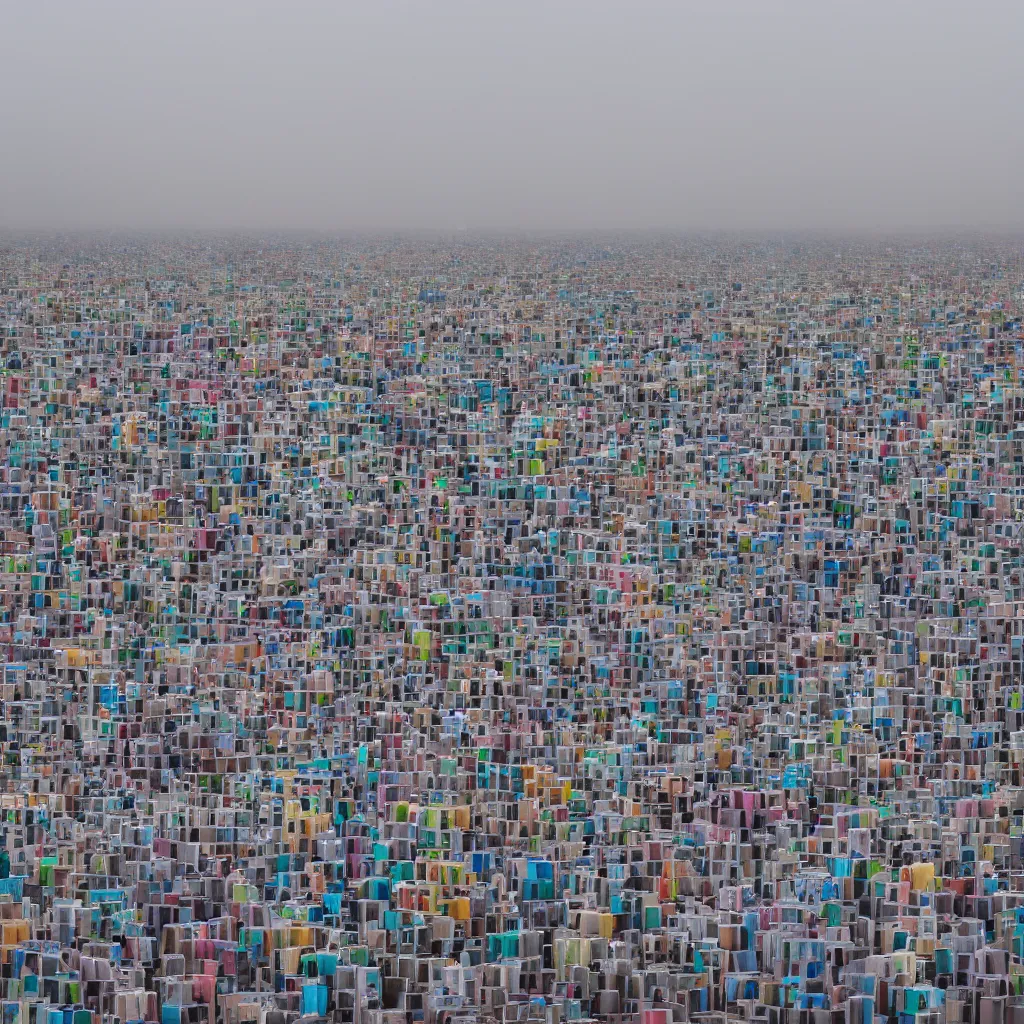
(484, 629)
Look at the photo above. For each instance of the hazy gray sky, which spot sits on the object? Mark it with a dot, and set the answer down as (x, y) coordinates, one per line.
(447, 115)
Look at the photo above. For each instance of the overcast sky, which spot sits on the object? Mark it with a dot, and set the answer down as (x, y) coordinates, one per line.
(443, 114)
